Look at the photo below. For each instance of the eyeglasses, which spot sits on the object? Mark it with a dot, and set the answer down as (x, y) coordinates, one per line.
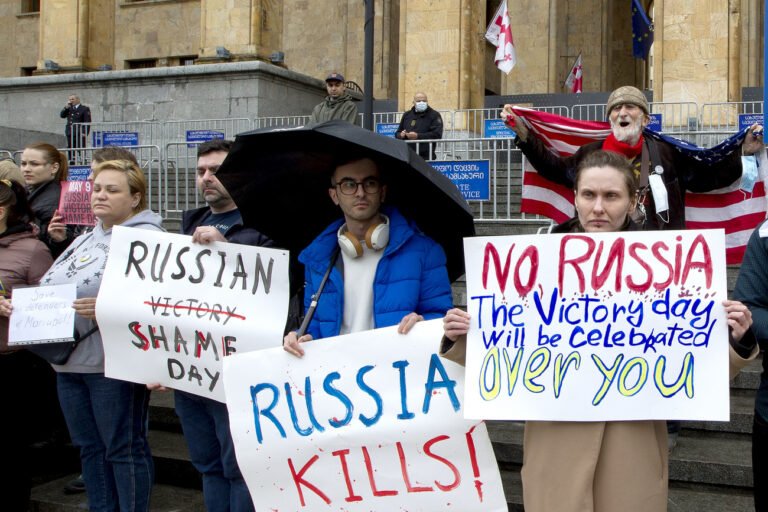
(349, 186)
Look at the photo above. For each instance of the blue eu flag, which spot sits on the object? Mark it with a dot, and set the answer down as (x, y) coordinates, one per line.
(642, 31)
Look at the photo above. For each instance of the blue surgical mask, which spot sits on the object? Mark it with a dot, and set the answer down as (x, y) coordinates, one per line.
(421, 106)
(749, 174)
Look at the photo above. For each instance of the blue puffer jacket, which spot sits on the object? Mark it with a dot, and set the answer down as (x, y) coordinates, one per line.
(411, 276)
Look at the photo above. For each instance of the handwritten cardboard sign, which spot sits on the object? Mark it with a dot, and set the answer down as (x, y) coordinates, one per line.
(42, 314)
(370, 421)
(592, 327)
(170, 311)
(75, 203)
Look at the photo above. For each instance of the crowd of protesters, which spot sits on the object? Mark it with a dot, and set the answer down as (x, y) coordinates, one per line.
(382, 271)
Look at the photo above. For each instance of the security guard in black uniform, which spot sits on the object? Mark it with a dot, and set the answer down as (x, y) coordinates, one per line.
(421, 122)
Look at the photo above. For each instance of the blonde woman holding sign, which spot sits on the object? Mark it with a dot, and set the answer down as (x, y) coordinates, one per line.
(107, 418)
(597, 466)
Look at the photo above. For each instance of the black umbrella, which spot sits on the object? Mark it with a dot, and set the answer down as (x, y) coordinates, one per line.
(280, 177)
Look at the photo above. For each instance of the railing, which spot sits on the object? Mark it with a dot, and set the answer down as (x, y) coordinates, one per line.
(725, 116)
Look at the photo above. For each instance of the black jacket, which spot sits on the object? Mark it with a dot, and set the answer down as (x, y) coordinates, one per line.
(81, 114)
(44, 201)
(681, 173)
(427, 124)
(237, 234)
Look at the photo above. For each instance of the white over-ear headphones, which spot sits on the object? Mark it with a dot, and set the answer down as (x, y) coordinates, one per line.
(376, 238)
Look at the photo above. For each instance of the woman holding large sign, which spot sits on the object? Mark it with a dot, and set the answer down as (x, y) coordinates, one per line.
(596, 466)
(107, 418)
(23, 260)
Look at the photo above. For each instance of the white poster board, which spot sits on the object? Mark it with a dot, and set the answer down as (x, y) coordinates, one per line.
(370, 421)
(614, 326)
(170, 311)
(42, 314)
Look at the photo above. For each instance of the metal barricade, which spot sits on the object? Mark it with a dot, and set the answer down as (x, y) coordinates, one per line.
(702, 138)
(179, 180)
(676, 116)
(505, 179)
(276, 121)
(6, 154)
(200, 130)
(589, 112)
(111, 133)
(725, 116)
(472, 123)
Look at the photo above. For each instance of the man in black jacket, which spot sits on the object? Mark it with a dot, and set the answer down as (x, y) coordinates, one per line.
(75, 112)
(421, 122)
(204, 421)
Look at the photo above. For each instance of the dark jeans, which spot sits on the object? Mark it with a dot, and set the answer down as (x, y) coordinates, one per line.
(760, 462)
(107, 420)
(206, 428)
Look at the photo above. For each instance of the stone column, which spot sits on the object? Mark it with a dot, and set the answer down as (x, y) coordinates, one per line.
(441, 53)
(248, 29)
(64, 34)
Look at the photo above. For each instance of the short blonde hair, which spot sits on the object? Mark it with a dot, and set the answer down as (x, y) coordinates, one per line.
(10, 171)
(137, 182)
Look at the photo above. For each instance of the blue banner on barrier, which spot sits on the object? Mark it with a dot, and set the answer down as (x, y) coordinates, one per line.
(78, 172)
(747, 120)
(472, 177)
(199, 136)
(101, 139)
(496, 129)
(387, 129)
(656, 123)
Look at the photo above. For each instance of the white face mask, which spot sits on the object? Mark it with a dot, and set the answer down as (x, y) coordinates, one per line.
(421, 106)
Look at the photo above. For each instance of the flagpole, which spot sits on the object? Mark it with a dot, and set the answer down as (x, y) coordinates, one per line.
(368, 67)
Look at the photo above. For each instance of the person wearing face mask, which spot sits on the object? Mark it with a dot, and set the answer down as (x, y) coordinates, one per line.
(600, 466)
(664, 174)
(421, 122)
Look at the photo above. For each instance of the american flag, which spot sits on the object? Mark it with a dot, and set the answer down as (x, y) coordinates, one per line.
(728, 208)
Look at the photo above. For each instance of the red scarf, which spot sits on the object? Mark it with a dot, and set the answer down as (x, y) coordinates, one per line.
(612, 144)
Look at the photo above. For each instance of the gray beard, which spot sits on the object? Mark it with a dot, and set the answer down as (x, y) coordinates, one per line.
(631, 132)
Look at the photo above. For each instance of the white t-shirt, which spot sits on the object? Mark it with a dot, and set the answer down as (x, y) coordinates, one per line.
(358, 290)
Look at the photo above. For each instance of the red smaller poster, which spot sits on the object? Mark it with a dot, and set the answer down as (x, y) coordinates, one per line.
(75, 203)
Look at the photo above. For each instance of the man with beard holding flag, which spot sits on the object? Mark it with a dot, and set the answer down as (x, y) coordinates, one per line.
(664, 172)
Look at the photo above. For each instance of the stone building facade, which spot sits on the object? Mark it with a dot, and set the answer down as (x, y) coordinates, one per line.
(704, 50)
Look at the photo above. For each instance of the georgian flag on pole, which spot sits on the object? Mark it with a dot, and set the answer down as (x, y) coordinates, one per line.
(729, 208)
(500, 36)
(573, 81)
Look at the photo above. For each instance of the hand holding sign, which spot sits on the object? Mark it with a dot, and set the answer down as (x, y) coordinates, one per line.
(5, 307)
(57, 230)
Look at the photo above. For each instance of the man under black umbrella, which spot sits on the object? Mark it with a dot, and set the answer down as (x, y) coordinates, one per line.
(380, 269)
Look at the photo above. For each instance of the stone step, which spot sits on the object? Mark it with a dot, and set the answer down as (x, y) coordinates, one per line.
(50, 497)
(173, 465)
(701, 457)
(682, 497)
(742, 414)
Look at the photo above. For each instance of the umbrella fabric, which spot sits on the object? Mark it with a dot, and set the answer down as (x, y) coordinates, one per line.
(280, 177)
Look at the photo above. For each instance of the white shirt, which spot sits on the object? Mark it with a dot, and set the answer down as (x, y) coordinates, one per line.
(358, 290)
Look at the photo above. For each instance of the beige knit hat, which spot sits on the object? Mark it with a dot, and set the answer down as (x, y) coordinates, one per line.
(627, 94)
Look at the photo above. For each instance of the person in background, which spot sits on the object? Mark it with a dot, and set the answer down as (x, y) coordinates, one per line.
(339, 104)
(77, 136)
(107, 418)
(421, 122)
(44, 168)
(10, 171)
(23, 261)
(578, 466)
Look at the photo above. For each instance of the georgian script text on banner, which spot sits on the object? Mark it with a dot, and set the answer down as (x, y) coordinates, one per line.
(597, 327)
(370, 421)
(170, 311)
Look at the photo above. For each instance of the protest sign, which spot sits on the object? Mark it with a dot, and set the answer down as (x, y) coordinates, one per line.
(170, 311)
(75, 203)
(597, 327)
(370, 421)
(42, 314)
